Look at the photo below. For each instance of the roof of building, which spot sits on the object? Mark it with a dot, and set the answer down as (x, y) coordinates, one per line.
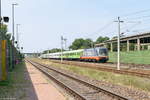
(140, 35)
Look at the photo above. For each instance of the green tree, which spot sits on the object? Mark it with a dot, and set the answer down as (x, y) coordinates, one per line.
(77, 44)
(81, 44)
(52, 50)
(101, 39)
(87, 43)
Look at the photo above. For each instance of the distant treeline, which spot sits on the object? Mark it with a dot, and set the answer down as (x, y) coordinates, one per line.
(80, 43)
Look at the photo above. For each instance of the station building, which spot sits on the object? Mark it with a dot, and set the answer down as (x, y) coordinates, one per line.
(129, 43)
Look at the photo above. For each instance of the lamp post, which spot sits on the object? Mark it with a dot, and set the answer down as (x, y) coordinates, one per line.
(5, 19)
(13, 22)
(0, 19)
(0, 11)
(17, 35)
(13, 38)
(62, 49)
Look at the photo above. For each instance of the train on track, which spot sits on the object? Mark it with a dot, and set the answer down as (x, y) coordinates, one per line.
(98, 54)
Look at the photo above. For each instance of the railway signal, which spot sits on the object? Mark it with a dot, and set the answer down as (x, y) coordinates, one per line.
(6, 19)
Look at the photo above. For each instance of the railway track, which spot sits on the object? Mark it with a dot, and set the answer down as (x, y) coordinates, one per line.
(103, 67)
(80, 89)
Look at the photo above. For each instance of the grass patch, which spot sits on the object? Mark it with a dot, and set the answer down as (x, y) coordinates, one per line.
(125, 80)
(13, 87)
(136, 57)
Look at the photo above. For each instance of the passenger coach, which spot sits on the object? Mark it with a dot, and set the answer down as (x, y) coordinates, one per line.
(93, 54)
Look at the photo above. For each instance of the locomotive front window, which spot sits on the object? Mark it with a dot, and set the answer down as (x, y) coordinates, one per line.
(103, 52)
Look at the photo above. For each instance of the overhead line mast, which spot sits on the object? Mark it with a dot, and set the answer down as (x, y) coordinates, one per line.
(118, 49)
(61, 49)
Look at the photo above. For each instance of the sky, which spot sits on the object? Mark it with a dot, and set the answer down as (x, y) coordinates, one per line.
(43, 22)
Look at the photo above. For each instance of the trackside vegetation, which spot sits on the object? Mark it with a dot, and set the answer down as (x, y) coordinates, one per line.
(136, 57)
(14, 87)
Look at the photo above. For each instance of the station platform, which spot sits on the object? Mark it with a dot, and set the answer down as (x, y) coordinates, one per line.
(43, 90)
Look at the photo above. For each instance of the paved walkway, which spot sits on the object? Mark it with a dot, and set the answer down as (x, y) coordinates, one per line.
(42, 89)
